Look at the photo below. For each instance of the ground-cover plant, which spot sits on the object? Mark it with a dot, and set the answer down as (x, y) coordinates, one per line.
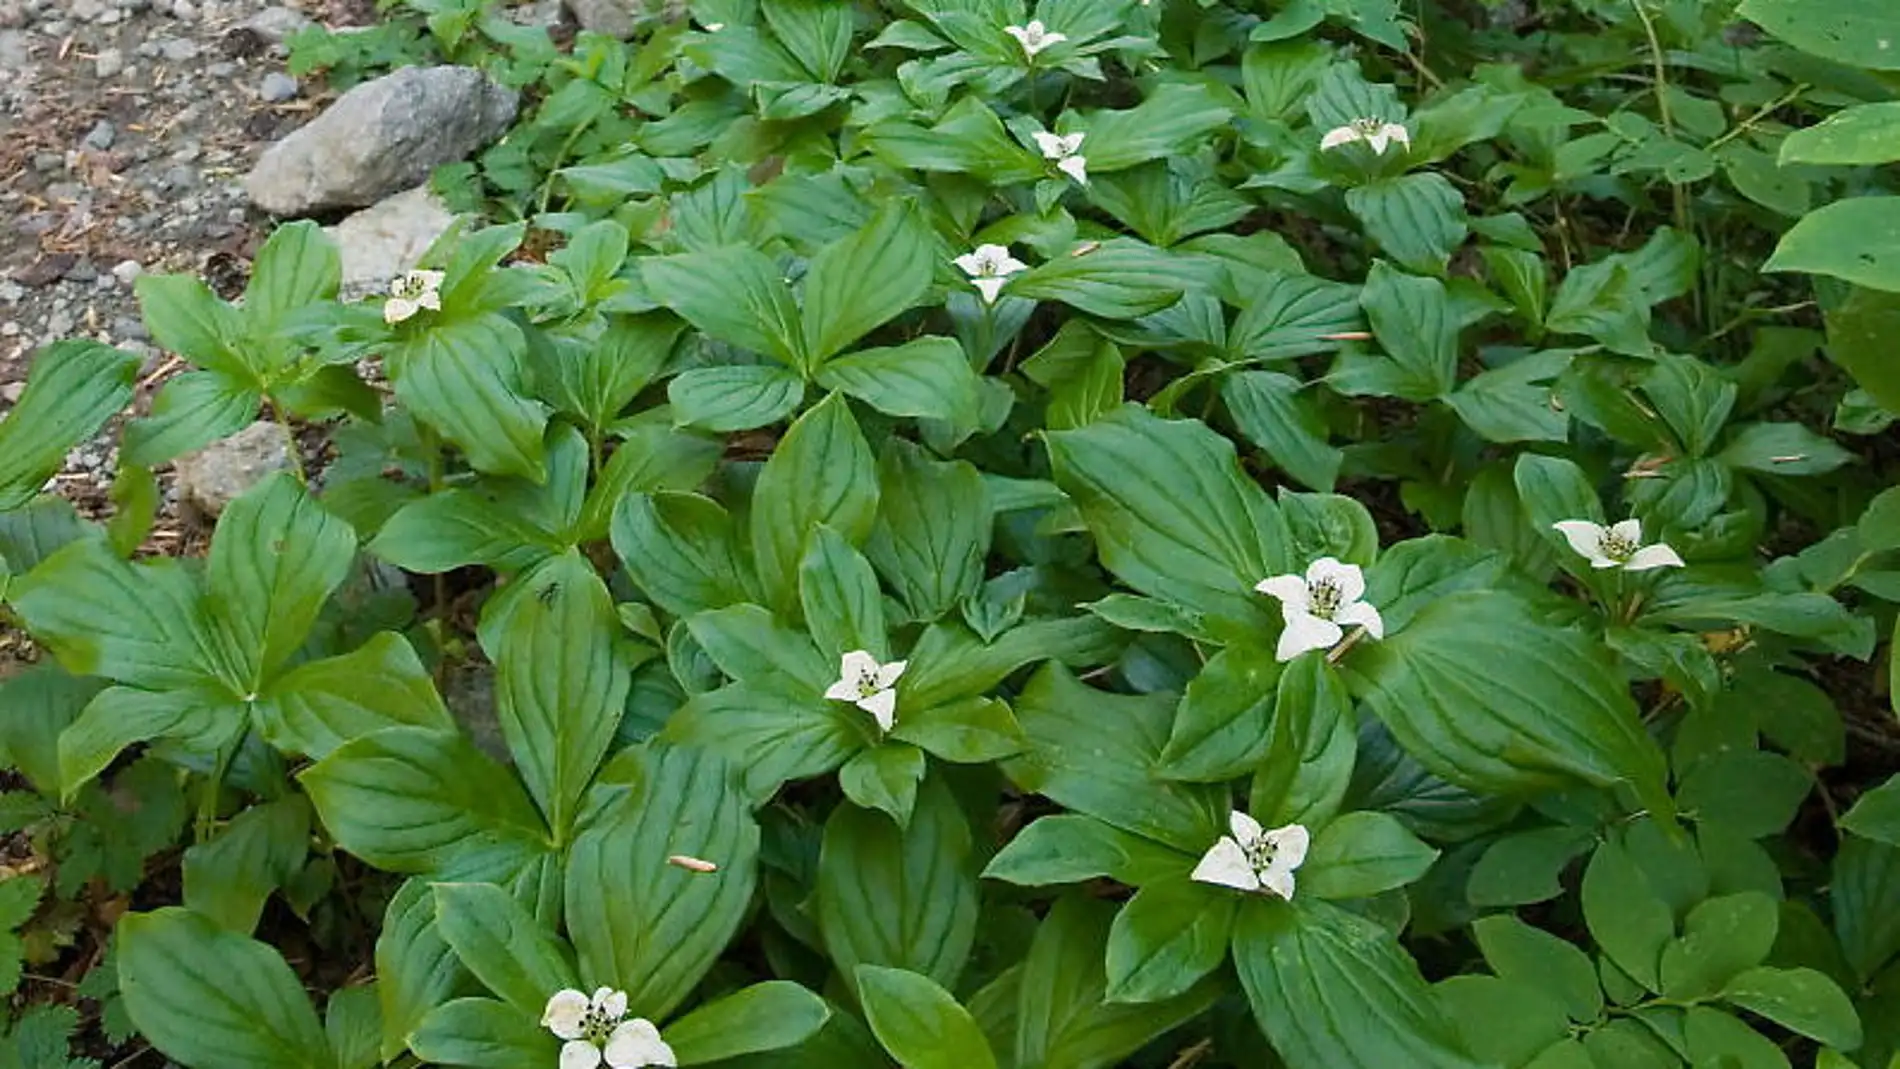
(1104, 533)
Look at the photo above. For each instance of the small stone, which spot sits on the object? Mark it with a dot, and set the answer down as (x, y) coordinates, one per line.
(222, 69)
(221, 472)
(11, 329)
(11, 292)
(615, 18)
(81, 271)
(108, 63)
(11, 392)
(178, 50)
(127, 271)
(273, 24)
(382, 241)
(87, 10)
(277, 88)
(130, 328)
(101, 136)
(381, 137)
(48, 162)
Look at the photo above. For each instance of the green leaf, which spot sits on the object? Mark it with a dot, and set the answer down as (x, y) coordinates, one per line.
(467, 379)
(1800, 1000)
(1857, 333)
(860, 283)
(213, 999)
(1491, 698)
(202, 718)
(597, 380)
(1417, 219)
(191, 411)
(1628, 919)
(1284, 315)
(228, 878)
(1752, 793)
(821, 473)
(40, 703)
(73, 388)
(1858, 33)
(1224, 725)
(933, 529)
(648, 458)
(1173, 514)
(503, 945)
(484, 1033)
(1166, 938)
(1175, 118)
(1330, 988)
(1857, 136)
(1712, 1037)
(1361, 854)
(1720, 937)
(506, 523)
(1876, 814)
(928, 378)
(682, 552)
(726, 399)
(298, 266)
(275, 559)
(1095, 753)
(1269, 410)
(901, 898)
(884, 778)
(415, 968)
(735, 295)
(185, 317)
(775, 738)
(353, 1019)
(1856, 239)
(1117, 279)
(665, 925)
(1783, 449)
(1070, 848)
(1063, 1018)
(766, 1016)
(1532, 957)
(415, 800)
(919, 1022)
(319, 705)
(1503, 1022)
(138, 624)
(1418, 328)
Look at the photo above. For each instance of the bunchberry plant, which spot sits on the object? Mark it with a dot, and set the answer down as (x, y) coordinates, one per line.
(990, 535)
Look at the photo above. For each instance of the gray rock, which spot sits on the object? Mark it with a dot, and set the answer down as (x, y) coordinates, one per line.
(381, 242)
(178, 49)
(108, 63)
(130, 328)
(127, 271)
(88, 10)
(81, 271)
(615, 18)
(469, 692)
(222, 69)
(380, 137)
(274, 24)
(277, 87)
(101, 136)
(219, 473)
(16, 47)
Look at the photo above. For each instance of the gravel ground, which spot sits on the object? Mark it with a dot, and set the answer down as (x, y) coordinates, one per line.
(126, 128)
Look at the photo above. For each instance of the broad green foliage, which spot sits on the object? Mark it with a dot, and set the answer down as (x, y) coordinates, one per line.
(973, 534)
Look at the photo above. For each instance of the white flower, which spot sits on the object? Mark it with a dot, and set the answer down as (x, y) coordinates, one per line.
(1314, 606)
(1375, 132)
(411, 293)
(1616, 546)
(989, 268)
(1253, 859)
(596, 1031)
(865, 683)
(1066, 151)
(1034, 37)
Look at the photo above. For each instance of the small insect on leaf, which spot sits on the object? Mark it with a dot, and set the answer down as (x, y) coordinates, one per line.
(691, 864)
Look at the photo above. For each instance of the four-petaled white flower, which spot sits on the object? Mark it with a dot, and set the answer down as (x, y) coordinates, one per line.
(1034, 37)
(989, 268)
(1619, 545)
(1253, 858)
(411, 293)
(870, 686)
(1375, 132)
(1315, 605)
(597, 1030)
(1066, 151)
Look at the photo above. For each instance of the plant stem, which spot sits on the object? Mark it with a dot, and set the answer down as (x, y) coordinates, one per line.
(1660, 73)
(290, 443)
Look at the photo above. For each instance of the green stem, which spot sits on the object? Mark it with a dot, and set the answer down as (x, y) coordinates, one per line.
(290, 443)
